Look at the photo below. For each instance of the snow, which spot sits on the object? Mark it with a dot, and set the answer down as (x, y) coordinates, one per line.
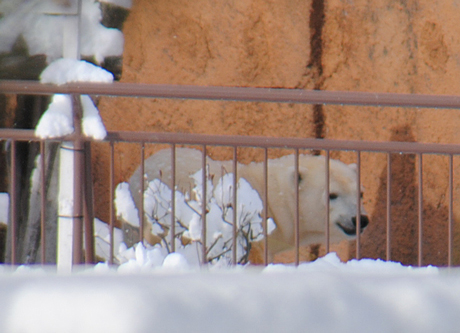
(98, 40)
(4, 207)
(121, 3)
(91, 123)
(175, 261)
(324, 296)
(64, 70)
(124, 204)
(188, 219)
(102, 239)
(58, 118)
(45, 33)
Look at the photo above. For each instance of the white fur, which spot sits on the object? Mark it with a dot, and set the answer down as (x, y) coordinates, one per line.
(281, 194)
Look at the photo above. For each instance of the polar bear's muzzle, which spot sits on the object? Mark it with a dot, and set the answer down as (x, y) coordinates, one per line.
(350, 231)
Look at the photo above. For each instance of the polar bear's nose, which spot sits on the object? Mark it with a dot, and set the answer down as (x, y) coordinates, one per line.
(364, 221)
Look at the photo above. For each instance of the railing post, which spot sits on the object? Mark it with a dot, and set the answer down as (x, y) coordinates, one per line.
(235, 207)
(79, 180)
(327, 160)
(13, 204)
(42, 202)
(204, 199)
(297, 207)
(265, 202)
(88, 206)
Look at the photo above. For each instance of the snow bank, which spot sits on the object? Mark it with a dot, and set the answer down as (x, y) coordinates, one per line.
(325, 297)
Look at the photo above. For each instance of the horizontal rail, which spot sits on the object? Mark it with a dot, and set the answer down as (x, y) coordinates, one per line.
(253, 141)
(245, 94)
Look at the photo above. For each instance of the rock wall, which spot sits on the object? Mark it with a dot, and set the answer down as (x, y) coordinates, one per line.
(404, 46)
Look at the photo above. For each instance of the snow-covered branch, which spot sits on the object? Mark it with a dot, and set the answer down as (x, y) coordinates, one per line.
(219, 218)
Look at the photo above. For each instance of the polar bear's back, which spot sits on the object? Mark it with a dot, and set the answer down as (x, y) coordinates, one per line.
(188, 162)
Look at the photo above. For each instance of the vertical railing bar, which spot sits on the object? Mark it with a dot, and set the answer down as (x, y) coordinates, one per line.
(79, 11)
(142, 189)
(203, 208)
(358, 206)
(235, 205)
(327, 188)
(420, 210)
(388, 226)
(42, 202)
(451, 207)
(173, 197)
(78, 180)
(88, 206)
(112, 208)
(297, 221)
(265, 211)
(13, 210)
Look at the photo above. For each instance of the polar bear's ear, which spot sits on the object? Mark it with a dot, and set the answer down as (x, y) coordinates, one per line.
(353, 166)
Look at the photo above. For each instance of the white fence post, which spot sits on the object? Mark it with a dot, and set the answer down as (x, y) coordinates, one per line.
(65, 246)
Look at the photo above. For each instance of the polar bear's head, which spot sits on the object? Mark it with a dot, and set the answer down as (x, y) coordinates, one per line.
(343, 200)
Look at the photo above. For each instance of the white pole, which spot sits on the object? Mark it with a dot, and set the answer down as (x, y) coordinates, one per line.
(65, 233)
(65, 207)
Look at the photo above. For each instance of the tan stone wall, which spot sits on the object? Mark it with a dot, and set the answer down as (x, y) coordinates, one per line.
(377, 46)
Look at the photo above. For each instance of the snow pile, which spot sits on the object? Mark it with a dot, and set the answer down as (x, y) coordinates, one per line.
(350, 297)
(45, 33)
(138, 259)
(58, 118)
(188, 218)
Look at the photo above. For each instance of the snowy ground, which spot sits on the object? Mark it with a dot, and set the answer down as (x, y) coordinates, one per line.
(325, 296)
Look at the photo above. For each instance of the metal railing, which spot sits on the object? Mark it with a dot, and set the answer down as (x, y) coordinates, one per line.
(238, 94)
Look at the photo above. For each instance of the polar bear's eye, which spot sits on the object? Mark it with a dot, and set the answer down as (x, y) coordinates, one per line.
(333, 196)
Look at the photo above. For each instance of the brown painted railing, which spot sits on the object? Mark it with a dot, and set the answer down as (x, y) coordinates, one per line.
(241, 94)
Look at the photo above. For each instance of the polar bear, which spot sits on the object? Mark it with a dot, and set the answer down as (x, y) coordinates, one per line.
(343, 192)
